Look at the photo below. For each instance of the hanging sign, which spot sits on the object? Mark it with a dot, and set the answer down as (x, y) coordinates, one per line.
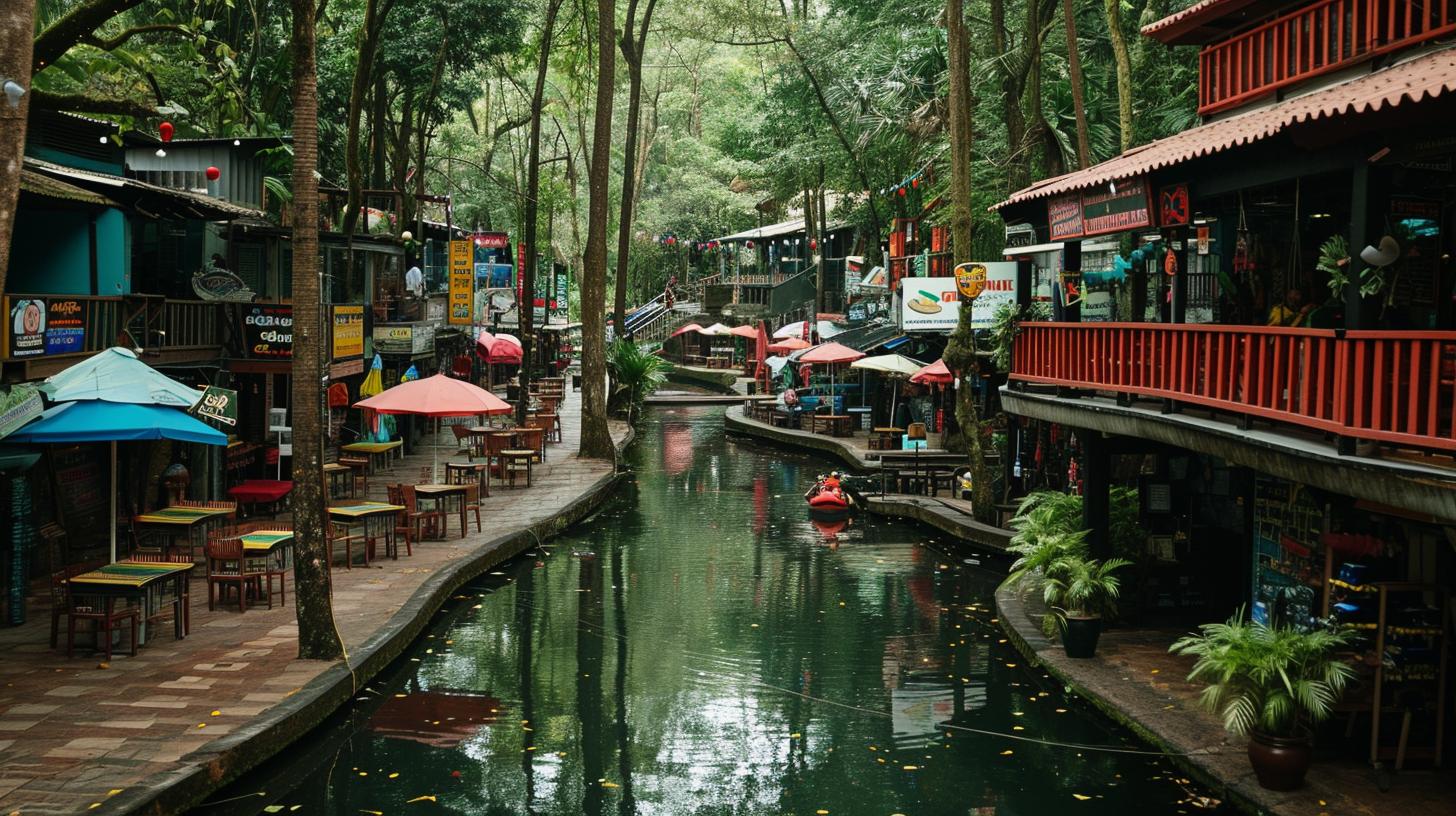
(348, 340)
(1174, 209)
(1118, 208)
(1203, 240)
(65, 330)
(462, 283)
(563, 291)
(492, 240)
(268, 331)
(970, 280)
(219, 405)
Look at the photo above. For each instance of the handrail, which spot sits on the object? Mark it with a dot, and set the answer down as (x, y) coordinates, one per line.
(1311, 41)
(1393, 387)
(150, 322)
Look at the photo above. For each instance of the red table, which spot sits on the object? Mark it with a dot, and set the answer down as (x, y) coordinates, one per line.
(261, 491)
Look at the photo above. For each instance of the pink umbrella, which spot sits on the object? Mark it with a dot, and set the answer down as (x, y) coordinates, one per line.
(744, 331)
(691, 327)
(831, 354)
(504, 349)
(437, 396)
(936, 373)
(791, 344)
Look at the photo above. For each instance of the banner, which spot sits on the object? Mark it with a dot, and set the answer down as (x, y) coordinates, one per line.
(25, 330)
(1115, 209)
(462, 283)
(348, 339)
(934, 304)
(40, 326)
(492, 240)
(268, 331)
(65, 330)
(563, 289)
(18, 406)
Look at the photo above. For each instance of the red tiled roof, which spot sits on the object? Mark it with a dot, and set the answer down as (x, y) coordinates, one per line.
(1427, 76)
(1196, 14)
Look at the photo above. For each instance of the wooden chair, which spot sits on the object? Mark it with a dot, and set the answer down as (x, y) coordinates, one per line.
(416, 525)
(148, 555)
(494, 444)
(476, 445)
(462, 439)
(227, 567)
(551, 424)
(361, 473)
(230, 506)
(102, 612)
(60, 597)
(535, 439)
(343, 534)
(472, 501)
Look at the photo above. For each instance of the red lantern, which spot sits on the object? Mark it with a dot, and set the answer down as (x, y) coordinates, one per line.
(213, 174)
(671, 240)
(915, 182)
(749, 244)
(165, 129)
(902, 192)
(813, 243)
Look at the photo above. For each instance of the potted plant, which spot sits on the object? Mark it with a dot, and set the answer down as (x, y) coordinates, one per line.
(1271, 683)
(1078, 591)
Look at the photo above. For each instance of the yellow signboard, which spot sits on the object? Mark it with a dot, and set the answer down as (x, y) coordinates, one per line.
(462, 283)
(348, 332)
(970, 280)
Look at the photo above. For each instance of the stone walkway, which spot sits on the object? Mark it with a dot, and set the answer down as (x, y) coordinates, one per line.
(157, 732)
(1136, 681)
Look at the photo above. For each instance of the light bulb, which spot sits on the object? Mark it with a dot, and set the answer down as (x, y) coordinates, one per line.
(104, 140)
(13, 91)
(237, 142)
(161, 154)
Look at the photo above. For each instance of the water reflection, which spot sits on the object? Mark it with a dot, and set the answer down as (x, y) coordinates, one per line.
(702, 646)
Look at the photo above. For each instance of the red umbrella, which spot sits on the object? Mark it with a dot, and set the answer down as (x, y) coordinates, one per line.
(483, 343)
(936, 373)
(437, 396)
(504, 349)
(744, 331)
(791, 344)
(691, 327)
(760, 347)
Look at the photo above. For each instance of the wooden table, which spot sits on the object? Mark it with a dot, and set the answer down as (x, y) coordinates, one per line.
(190, 523)
(515, 456)
(374, 450)
(478, 470)
(440, 493)
(370, 514)
(835, 424)
(334, 473)
(130, 579)
(885, 438)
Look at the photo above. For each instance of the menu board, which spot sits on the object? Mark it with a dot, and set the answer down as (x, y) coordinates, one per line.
(83, 499)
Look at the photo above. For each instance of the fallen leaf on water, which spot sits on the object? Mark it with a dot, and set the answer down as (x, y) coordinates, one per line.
(912, 767)
(429, 797)
(1018, 728)
(795, 735)
(1007, 752)
(1155, 671)
(114, 791)
(373, 812)
(822, 812)
(273, 809)
(1061, 711)
(610, 785)
(1080, 797)
(394, 775)
(363, 773)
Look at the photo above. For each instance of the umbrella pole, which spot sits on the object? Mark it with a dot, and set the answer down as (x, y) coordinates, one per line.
(435, 454)
(113, 501)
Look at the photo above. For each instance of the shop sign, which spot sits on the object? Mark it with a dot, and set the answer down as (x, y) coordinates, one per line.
(1174, 209)
(1118, 209)
(18, 406)
(348, 337)
(348, 368)
(1020, 235)
(563, 287)
(461, 311)
(492, 240)
(268, 331)
(65, 329)
(970, 280)
(1203, 240)
(25, 330)
(929, 304)
(408, 338)
(219, 405)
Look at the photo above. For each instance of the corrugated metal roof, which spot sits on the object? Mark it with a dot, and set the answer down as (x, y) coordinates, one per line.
(40, 184)
(1417, 79)
(205, 206)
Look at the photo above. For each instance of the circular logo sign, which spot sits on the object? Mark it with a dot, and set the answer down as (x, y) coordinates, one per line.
(970, 280)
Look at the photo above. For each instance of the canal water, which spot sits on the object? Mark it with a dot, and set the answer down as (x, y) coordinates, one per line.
(700, 646)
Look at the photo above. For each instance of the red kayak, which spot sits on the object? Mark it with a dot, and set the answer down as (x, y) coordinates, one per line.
(827, 502)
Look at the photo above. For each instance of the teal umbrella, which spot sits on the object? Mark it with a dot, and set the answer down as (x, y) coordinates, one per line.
(117, 375)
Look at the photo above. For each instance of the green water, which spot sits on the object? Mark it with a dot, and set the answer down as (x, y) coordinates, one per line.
(700, 647)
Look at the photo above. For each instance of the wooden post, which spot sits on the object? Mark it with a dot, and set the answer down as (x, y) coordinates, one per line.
(1359, 238)
(1096, 478)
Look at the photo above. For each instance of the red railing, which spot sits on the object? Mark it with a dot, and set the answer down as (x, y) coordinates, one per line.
(1396, 387)
(1314, 40)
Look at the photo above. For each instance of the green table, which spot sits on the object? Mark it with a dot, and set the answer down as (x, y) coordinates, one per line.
(188, 522)
(376, 449)
(370, 515)
(131, 579)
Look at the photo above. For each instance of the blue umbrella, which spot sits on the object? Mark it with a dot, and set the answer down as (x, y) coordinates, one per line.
(100, 421)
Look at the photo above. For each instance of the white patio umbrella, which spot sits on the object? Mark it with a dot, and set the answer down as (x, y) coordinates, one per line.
(893, 366)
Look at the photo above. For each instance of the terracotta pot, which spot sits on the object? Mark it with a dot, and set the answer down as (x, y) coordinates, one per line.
(1279, 762)
(1079, 636)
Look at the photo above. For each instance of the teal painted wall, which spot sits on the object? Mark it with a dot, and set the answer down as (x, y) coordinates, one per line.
(51, 253)
(54, 156)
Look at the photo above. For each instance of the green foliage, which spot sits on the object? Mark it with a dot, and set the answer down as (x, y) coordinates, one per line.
(1006, 324)
(1276, 680)
(635, 374)
(1334, 259)
(1079, 587)
(1047, 514)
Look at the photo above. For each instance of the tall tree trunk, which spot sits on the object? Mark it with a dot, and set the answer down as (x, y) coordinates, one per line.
(16, 41)
(1112, 8)
(1037, 130)
(1079, 98)
(17, 37)
(318, 639)
(525, 307)
(374, 13)
(633, 44)
(596, 438)
(960, 352)
(379, 131)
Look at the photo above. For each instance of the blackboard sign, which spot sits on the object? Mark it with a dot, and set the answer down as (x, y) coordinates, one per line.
(83, 497)
(268, 331)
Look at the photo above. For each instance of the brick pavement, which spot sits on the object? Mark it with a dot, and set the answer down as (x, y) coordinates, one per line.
(79, 734)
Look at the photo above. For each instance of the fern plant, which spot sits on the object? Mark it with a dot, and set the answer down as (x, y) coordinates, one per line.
(635, 373)
(1079, 587)
(1275, 680)
(1006, 324)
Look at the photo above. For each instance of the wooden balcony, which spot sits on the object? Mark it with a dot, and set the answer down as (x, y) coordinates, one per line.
(1318, 39)
(1396, 388)
(169, 331)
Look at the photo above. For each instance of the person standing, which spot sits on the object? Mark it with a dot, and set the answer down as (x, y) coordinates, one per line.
(414, 281)
(1293, 311)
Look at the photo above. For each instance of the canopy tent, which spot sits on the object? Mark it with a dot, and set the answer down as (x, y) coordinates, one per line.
(831, 354)
(117, 375)
(437, 396)
(894, 366)
(103, 421)
(499, 349)
(791, 344)
(715, 330)
(934, 374)
(824, 328)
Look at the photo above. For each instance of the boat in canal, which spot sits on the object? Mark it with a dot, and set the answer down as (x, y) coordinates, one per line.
(827, 501)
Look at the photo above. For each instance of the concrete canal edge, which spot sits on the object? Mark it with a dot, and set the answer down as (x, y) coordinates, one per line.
(736, 423)
(230, 757)
(720, 380)
(1019, 619)
(937, 514)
